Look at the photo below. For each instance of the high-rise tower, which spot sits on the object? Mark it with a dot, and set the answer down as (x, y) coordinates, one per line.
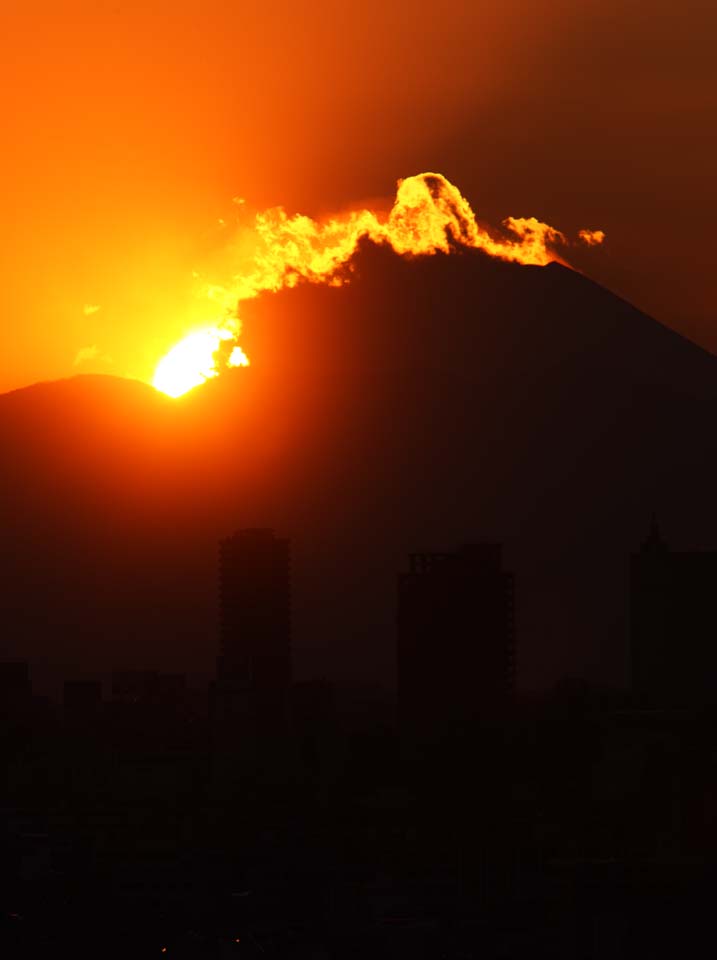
(673, 624)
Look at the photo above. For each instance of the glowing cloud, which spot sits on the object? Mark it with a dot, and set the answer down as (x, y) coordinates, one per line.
(592, 237)
(88, 354)
(429, 215)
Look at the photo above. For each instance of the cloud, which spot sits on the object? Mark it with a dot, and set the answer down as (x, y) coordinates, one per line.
(592, 237)
(90, 308)
(87, 354)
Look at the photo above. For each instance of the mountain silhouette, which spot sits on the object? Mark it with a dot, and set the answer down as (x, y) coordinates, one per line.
(425, 403)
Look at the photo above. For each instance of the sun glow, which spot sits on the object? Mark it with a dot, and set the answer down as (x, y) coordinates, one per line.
(429, 215)
(197, 358)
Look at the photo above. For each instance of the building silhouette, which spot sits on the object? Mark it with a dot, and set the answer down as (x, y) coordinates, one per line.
(673, 624)
(254, 664)
(455, 641)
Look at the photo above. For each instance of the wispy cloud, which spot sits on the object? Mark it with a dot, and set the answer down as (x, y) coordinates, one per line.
(87, 354)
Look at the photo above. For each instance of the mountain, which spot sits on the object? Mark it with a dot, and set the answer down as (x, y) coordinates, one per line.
(425, 403)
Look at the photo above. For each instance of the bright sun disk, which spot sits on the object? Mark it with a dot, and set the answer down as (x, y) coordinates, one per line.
(194, 360)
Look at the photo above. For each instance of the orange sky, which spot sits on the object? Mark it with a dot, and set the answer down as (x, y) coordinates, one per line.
(129, 126)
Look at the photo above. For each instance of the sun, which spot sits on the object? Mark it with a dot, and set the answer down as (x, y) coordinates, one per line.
(196, 359)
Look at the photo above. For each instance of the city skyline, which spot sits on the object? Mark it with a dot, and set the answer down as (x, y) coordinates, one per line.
(358, 548)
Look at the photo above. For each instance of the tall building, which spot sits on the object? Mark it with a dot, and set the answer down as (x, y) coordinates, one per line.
(673, 624)
(254, 665)
(455, 640)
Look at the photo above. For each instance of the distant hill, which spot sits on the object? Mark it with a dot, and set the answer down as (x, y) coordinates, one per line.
(425, 403)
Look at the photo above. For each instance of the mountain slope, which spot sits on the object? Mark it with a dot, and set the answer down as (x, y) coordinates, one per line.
(425, 403)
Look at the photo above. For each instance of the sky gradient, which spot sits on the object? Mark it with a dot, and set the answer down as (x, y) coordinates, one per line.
(129, 127)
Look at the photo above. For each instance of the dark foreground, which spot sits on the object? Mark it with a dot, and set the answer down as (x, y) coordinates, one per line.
(578, 828)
